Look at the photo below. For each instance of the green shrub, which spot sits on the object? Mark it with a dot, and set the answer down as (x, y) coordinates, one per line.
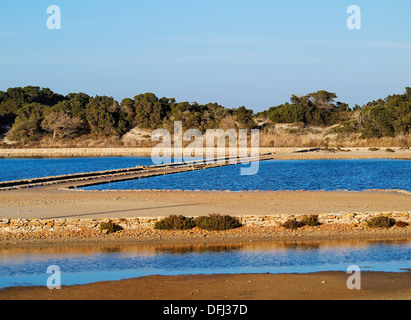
(110, 227)
(291, 224)
(311, 220)
(374, 149)
(381, 222)
(175, 222)
(217, 222)
(211, 222)
(389, 150)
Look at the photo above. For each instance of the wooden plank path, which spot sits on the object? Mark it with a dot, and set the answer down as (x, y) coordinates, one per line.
(79, 180)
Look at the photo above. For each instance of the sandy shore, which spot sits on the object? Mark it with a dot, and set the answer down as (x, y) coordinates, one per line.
(316, 286)
(52, 203)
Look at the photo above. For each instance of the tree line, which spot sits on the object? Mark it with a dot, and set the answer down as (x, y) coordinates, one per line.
(387, 117)
(30, 113)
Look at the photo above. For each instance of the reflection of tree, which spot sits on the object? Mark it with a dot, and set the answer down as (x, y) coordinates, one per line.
(109, 250)
(299, 245)
(183, 249)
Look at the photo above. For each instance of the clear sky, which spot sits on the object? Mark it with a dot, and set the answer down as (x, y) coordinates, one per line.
(234, 52)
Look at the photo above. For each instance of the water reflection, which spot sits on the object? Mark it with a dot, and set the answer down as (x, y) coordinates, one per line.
(141, 249)
(192, 249)
(85, 264)
(26, 168)
(353, 175)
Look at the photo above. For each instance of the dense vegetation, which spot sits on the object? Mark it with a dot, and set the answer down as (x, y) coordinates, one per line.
(317, 109)
(31, 113)
(387, 117)
(212, 222)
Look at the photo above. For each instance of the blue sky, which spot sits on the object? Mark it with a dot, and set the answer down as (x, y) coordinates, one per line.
(234, 52)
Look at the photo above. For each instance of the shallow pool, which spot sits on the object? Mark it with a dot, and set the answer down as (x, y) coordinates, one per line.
(330, 175)
(81, 265)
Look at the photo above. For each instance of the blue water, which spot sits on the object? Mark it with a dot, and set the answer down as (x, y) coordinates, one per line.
(15, 169)
(353, 175)
(100, 264)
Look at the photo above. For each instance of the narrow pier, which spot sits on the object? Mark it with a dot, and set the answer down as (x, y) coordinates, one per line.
(80, 180)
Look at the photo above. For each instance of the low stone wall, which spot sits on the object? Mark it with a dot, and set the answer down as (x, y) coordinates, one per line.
(328, 218)
(33, 225)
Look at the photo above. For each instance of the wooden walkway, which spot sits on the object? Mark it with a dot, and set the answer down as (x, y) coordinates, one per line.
(80, 180)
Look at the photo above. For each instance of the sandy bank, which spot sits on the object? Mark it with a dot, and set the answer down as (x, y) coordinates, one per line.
(42, 203)
(316, 286)
(45, 210)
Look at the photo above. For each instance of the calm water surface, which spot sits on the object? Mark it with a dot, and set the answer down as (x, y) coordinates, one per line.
(86, 265)
(353, 175)
(15, 169)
